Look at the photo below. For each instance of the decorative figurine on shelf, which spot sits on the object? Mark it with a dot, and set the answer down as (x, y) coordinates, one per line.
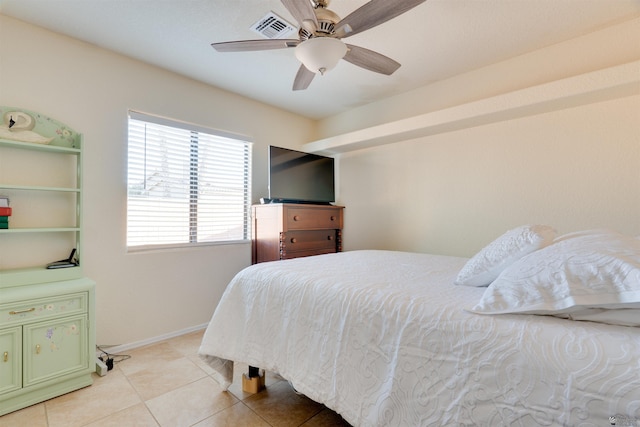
(18, 126)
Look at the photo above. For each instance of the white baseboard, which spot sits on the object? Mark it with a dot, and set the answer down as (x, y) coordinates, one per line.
(125, 347)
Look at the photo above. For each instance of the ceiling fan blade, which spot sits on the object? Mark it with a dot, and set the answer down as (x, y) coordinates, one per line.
(252, 45)
(303, 78)
(373, 13)
(303, 12)
(370, 60)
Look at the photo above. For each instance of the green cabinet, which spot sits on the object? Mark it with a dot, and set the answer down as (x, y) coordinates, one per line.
(47, 341)
(47, 326)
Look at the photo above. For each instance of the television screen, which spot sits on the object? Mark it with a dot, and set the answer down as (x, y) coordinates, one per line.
(298, 177)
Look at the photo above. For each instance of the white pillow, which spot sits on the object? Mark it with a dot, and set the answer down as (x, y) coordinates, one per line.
(487, 264)
(596, 269)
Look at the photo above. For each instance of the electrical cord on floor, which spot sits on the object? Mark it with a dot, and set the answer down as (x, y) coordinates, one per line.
(110, 359)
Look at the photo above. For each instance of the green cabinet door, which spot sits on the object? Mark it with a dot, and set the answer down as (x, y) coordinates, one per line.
(10, 359)
(55, 348)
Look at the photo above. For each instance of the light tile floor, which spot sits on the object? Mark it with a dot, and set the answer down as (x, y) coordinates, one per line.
(167, 385)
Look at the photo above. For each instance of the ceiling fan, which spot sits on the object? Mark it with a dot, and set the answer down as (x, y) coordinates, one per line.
(319, 46)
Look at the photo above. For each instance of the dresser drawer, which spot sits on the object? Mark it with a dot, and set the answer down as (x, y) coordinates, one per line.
(301, 218)
(39, 309)
(320, 241)
(310, 252)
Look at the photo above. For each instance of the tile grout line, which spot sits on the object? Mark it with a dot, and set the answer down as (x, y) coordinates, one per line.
(256, 413)
(140, 397)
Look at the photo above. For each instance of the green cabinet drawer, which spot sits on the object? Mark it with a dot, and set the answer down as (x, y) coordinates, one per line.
(55, 348)
(35, 310)
(10, 359)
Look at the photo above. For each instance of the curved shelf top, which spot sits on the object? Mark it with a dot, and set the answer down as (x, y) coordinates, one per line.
(34, 129)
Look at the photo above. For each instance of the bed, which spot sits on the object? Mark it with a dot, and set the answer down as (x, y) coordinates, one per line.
(389, 338)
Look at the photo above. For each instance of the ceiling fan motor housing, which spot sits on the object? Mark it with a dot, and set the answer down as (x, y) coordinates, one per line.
(327, 19)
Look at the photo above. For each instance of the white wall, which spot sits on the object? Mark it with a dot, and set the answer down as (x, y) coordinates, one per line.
(453, 193)
(141, 295)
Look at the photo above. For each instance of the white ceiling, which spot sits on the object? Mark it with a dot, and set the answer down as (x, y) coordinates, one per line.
(435, 40)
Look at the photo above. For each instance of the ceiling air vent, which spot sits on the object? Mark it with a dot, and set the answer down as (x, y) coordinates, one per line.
(271, 26)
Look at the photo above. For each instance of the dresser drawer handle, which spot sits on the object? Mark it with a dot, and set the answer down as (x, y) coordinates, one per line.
(22, 311)
(5, 358)
(296, 218)
(329, 237)
(294, 240)
(333, 218)
(37, 348)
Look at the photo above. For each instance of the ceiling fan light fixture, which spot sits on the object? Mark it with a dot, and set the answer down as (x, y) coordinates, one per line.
(320, 54)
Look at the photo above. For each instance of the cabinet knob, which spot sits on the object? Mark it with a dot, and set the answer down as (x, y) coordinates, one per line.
(37, 348)
(294, 240)
(333, 218)
(329, 237)
(296, 218)
(5, 357)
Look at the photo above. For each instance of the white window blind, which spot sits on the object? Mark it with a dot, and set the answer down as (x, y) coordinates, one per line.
(186, 185)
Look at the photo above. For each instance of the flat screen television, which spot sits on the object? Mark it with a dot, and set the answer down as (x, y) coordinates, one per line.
(297, 177)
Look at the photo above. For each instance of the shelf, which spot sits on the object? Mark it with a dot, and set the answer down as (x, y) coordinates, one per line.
(610, 83)
(38, 188)
(38, 230)
(38, 147)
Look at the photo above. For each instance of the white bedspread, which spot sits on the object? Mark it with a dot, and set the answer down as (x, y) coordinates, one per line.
(383, 339)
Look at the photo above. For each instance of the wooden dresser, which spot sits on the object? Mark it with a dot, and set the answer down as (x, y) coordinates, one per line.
(284, 231)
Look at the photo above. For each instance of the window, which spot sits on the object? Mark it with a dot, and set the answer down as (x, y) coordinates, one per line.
(186, 185)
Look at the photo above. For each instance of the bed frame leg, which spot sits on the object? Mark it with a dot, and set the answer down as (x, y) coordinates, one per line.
(253, 382)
